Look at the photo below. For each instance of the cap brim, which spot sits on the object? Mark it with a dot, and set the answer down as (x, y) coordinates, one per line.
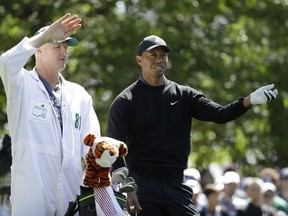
(70, 41)
(168, 49)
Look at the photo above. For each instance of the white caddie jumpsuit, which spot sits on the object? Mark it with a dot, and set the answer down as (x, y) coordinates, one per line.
(46, 167)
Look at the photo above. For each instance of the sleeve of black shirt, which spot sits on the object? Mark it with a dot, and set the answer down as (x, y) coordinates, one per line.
(205, 109)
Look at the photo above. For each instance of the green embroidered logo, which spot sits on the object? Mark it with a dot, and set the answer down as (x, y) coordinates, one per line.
(77, 121)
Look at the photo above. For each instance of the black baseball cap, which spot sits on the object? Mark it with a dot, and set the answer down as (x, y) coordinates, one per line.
(151, 42)
(70, 40)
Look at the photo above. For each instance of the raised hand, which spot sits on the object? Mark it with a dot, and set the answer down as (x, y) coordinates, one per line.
(57, 31)
(64, 27)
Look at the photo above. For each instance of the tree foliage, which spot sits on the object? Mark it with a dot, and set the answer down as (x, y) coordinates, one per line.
(226, 49)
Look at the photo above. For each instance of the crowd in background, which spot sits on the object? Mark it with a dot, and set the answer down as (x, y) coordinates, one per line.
(232, 194)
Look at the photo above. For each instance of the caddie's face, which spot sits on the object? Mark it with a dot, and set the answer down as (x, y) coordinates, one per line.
(153, 62)
(55, 55)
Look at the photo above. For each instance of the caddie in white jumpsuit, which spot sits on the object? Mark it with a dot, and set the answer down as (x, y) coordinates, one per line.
(47, 129)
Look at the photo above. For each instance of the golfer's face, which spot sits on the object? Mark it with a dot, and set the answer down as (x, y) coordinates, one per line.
(154, 61)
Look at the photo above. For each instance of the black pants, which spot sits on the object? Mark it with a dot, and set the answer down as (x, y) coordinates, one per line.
(163, 198)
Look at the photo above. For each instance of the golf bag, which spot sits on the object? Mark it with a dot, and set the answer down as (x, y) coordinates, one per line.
(85, 203)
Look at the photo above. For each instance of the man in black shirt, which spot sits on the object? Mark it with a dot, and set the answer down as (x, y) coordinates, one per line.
(153, 116)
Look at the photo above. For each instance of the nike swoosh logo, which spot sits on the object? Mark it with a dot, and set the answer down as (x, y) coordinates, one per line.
(173, 103)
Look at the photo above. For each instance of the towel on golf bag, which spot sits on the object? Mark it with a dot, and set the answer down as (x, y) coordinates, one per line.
(84, 203)
(106, 203)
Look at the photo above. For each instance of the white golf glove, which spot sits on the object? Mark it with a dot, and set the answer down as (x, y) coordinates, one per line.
(263, 95)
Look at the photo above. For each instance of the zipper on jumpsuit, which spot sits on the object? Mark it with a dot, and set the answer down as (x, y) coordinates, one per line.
(59, 171)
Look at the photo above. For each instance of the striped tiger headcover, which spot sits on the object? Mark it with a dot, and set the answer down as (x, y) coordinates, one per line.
(102, 153)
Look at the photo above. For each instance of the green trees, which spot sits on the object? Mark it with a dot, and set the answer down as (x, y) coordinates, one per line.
(225, 49)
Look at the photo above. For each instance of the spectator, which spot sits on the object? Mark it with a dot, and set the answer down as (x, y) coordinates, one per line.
(192, 173)
(284, 183)
(269, 192)
(243, 186)
(212, 208)
(229, 201)
(271, 175)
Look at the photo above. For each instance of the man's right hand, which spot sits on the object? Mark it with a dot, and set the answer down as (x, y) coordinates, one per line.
(57, 31)
(133, 203)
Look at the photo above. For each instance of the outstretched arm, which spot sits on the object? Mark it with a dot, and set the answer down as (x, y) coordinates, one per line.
(59, 30)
